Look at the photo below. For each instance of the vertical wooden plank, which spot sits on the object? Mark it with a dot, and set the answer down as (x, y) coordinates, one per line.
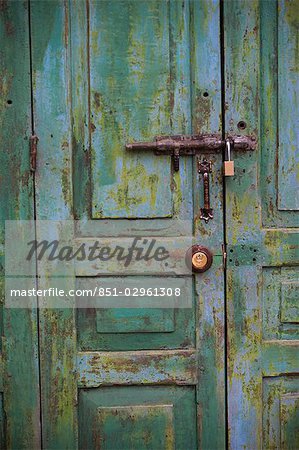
(180, 107)
(269, 119)
(206, 111)
(80, 109)
(261, 223)
(288, 102)
(20, 349)
(241, 33)
(50, 24)
(206, 118)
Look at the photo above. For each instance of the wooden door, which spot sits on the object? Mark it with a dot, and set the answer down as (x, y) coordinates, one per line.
(262, 201)
(106, 73)
(87, 78)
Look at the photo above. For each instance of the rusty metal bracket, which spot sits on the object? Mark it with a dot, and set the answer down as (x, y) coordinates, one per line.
(205, 168)
(189, 145)
(33, 152)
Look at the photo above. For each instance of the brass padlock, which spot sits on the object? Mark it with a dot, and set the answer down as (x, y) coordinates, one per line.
(229, 166)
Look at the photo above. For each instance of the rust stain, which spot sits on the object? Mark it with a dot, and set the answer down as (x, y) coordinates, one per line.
(3, 5)
(9, 28)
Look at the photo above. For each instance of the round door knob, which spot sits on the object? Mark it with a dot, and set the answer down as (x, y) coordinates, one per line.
(198, 258)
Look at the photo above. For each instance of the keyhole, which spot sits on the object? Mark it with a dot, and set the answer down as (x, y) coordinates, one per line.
(242, 125)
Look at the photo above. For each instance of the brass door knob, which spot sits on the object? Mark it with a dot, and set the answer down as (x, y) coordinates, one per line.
(198, 258)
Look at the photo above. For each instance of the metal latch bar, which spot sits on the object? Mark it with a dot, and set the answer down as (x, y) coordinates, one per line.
(189, 145)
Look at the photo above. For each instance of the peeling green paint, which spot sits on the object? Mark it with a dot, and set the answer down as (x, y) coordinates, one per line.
(262, 224)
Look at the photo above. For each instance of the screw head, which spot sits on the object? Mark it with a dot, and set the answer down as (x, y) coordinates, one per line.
(199, 260)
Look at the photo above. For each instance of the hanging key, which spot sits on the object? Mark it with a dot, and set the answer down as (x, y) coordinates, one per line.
(229, 166)
(205, 168)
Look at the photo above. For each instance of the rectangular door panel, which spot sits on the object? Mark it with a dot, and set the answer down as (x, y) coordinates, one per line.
(288, 103)
(144, 323)
(281, 412)
(135, 329)
(280, 302)
(279, 101)
(130, 95)
(141, 418)
(132, 85)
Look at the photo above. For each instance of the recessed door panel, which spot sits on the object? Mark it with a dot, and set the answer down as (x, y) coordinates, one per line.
(130, 95)
(144, 418)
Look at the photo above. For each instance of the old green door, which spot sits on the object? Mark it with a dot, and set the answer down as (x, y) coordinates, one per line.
(262, 202)
(106, 73)
(95, 75)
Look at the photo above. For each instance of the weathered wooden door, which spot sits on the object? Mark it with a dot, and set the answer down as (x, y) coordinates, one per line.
(262, 202)
(88, 77)
(107, 73)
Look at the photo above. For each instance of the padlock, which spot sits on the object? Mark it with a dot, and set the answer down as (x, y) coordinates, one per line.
(229, 167)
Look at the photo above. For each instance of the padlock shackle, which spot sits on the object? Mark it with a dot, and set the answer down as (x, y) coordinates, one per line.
(228, 148)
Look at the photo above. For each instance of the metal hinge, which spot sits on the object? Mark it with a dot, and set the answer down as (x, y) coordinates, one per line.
(224, 256)
(189, 145)
(33, 152)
